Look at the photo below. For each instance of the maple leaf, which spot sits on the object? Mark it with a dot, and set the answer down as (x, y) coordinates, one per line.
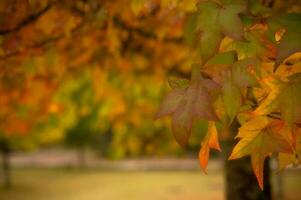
(218, 64)
(284, 96)
(285, 159)
(290, 42)
(214, 22)
(230, 22)
(187, 104)
(190, 28)
(209, 141)
(231, 96)
(222, 59)
(257, 44)
(211, 35)
(234, 76)
(238, 76)
(289, 100)
(243, 72)
(269, 104)
(171, 102)
(259, 138)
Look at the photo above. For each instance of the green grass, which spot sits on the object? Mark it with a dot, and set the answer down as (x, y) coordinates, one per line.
(59, 184)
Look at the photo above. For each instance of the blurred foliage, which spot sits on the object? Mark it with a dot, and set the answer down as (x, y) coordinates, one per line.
(91, 73)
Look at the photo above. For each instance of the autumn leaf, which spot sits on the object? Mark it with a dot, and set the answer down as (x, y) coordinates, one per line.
(223, 59)
(171, 102)
(290, 42)
(186, 105)
(257, 44)
(137, 6)
(211, 35)
(284, 96)
(190, 28)
(214, 22)
(259, 138)
(218, 64)
(234, 76)
(289, 100)
(230, 22)
(231, 96)
(243, 72)
(285, 159)
(269, 104)
(209, 141)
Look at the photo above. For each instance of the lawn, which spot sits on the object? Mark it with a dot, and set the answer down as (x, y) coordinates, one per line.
(63, 184)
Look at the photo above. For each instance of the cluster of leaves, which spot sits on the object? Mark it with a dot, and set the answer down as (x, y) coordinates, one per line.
(248, 71)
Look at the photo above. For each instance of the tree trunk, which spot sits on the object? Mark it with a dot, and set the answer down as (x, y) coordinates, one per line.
(279, 192)
(6, 168)
(241, 183)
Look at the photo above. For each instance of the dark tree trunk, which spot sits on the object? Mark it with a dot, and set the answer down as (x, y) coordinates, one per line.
(6, 168)
(241, 183)
(279, 182)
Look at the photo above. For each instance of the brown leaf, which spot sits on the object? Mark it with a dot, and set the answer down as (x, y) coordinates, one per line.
(186, 105)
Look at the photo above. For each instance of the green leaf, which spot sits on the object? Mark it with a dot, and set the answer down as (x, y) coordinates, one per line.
(230, 23)
(256, 8)
(225, 58)
(190, 28)
(210, 33)
(216, 21)
(231, 97)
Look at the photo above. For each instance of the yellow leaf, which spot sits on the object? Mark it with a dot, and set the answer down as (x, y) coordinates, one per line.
(260, 137)
(285, 159)
(269, 104)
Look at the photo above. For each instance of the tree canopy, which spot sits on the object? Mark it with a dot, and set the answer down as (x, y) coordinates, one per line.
(100, 58)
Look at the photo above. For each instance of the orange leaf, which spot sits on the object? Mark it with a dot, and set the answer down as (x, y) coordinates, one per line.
(258, 164)
(210, 141)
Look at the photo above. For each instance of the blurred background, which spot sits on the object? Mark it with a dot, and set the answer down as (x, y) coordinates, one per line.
(81, 82)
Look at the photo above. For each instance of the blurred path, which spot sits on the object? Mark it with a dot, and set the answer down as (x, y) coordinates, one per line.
(57, 158)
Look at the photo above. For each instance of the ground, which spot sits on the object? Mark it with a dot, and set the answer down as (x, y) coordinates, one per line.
(71, 184)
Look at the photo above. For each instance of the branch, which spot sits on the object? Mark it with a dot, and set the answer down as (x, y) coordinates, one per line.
(40, 44)
(143, 33)
(279, 118)
(26, 21)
